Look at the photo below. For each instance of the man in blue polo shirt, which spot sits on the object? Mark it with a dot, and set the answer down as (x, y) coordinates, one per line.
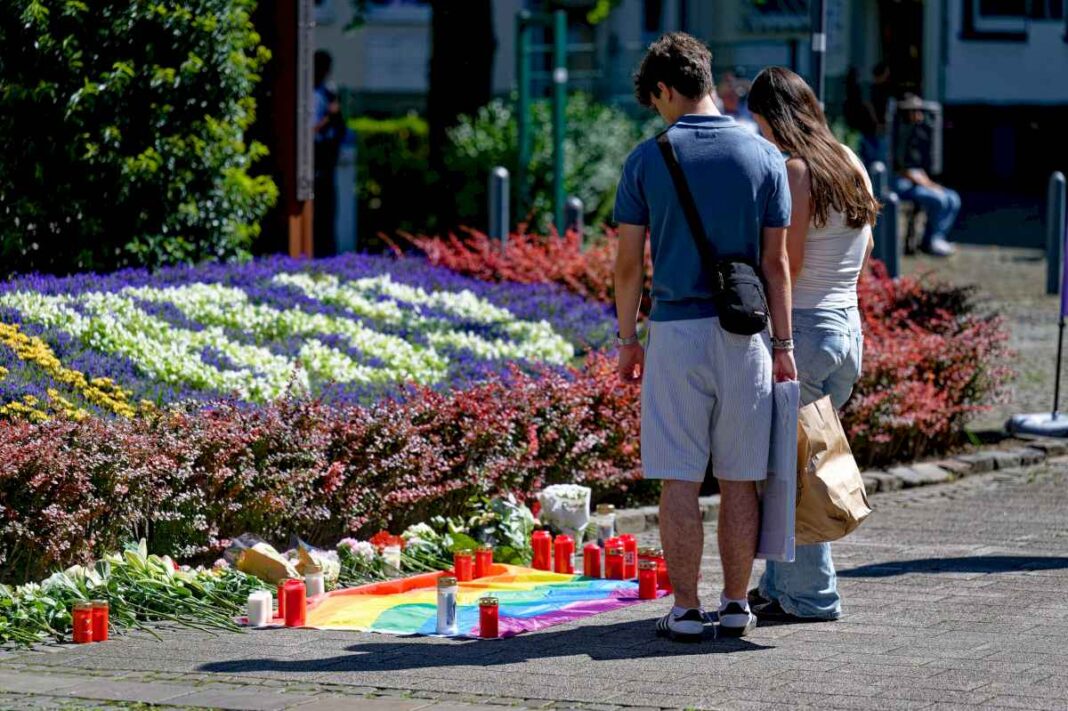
(706, 393)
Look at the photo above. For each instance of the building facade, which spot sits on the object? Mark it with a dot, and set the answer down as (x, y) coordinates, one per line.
(997, 66)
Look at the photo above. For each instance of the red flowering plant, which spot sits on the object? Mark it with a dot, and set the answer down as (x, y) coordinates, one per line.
(533, 259)
(187, 480)
(931, 362)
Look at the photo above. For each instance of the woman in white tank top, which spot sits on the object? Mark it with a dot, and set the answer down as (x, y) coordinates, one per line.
(829, 242)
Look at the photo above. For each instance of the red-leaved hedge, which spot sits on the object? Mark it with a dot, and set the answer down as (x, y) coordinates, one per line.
(930, 361)
(532, 259)
(189, 480)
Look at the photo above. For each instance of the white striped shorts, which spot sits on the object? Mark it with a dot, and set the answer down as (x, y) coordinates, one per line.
(705, 393)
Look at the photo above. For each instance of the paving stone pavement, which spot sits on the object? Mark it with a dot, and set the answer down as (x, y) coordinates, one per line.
(955, 596)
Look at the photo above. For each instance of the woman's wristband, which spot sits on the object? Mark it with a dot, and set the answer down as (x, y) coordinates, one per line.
(782, 344)
(628, 341)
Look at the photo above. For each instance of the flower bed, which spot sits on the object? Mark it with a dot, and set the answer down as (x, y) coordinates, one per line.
(348, 329)
(504, 405)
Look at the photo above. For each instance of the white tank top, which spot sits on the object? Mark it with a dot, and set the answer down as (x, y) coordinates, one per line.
(834, 255)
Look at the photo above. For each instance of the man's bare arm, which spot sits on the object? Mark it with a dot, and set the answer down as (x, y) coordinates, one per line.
(776, 266)
(629, 276)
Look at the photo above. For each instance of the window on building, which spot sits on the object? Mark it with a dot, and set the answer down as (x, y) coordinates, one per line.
(324, 12)
(1047, 9)
(777, 15)
(398, 10)
(1007, 19)
(652, 20)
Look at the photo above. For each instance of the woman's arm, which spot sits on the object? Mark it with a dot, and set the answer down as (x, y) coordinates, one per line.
(800, 214)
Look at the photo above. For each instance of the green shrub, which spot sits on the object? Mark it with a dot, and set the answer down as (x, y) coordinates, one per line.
(125, 126)
(392, 176)
(596, 143)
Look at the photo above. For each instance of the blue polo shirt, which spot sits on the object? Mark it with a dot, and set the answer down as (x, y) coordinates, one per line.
(738, 181)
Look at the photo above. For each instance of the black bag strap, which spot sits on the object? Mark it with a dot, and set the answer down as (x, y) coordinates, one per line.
(689, 207)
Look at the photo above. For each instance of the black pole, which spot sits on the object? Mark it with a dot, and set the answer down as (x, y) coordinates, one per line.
(818, 10)
(1057, 381)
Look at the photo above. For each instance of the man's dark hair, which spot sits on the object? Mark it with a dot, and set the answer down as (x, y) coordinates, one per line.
(679, 60)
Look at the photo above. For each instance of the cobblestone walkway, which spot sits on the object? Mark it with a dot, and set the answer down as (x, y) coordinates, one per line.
(956, 596)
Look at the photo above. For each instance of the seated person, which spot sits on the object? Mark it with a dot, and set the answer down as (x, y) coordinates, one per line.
(940, 203)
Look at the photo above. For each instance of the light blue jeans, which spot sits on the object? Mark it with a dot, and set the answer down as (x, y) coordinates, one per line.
(941, 206)
(828, 348)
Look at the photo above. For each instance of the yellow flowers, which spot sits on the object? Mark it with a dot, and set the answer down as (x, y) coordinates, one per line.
(102, 392)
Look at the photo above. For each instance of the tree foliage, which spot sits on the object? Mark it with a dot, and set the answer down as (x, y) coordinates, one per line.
(125, 123)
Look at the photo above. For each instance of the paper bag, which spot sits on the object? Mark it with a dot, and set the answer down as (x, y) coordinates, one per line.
(779, 502)
(831, 500)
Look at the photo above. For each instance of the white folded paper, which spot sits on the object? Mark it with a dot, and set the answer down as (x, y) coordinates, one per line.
(779, 504)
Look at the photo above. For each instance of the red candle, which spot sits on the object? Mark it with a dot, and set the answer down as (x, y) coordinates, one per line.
(663, 582)
(100, 620)
(542, 544)
(488, 617)
(83, 622)
(647, 580)
(630, 556)
(282, 599)
(463, 564)
(483, 561)
(591, 560)
(295, 596)
(613, 563)
(565, 554)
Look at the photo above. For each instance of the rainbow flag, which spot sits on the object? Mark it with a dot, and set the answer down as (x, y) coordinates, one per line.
(529, 600)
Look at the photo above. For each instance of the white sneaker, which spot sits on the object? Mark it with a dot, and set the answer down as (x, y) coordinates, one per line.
(735, 620)
(939, 247)
(687, 627)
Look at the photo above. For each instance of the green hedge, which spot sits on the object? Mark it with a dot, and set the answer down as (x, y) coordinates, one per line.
(125, 124)
(394, 182)
(392, 157)
(596, 144)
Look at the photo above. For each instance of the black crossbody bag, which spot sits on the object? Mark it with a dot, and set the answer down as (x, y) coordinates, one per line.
(737, 287)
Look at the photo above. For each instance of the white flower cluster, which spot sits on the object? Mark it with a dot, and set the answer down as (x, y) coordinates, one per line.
(115, 323)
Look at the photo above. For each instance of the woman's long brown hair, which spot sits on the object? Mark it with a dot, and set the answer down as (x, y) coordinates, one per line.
(791, 109)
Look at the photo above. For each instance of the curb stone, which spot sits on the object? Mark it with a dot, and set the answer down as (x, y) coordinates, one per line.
(904, 476)
(1051, 447)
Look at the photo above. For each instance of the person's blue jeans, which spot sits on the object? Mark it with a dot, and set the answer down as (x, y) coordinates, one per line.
(828, 348)
(941, 207)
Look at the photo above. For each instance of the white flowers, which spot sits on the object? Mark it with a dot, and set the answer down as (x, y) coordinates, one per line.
(364, 331)
(359, 549)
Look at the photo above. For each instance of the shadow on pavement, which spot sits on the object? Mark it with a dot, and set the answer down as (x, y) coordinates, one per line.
(624, 641)
(976, 564)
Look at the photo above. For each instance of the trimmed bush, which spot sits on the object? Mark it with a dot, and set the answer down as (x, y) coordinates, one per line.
(125, 123)
(533, 259)
(931, 363)
(190, 480)
(596, 144)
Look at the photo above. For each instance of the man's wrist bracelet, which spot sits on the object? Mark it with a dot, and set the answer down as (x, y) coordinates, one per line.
(628, 341)
(782, 344)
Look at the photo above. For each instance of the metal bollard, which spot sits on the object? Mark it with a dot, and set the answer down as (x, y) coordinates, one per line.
(1055, 232)
(574, 215)
(498, 204)
(890, 233)
(880, 180)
